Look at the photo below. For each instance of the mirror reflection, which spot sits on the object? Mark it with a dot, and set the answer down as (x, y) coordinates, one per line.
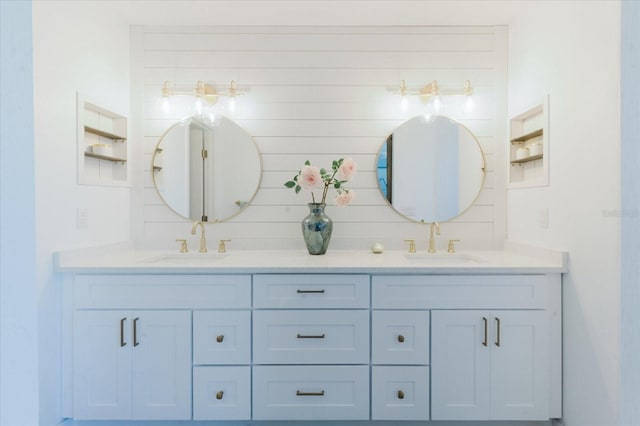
(206, 170)
(431, 169)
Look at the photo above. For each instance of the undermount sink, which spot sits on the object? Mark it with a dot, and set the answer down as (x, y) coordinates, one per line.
(442, 258)
(188, 258)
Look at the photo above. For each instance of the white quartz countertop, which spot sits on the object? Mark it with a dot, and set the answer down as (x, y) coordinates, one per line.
(125, 259)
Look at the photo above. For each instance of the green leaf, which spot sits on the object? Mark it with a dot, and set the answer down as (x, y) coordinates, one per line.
(298, 188)
(290, 184)
(307, 163)
(337, 185)
(334, 165)
(323, 171)
(295, 178)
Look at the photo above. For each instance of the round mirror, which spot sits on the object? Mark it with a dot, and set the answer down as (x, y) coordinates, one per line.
(430, 170)
(205, 170)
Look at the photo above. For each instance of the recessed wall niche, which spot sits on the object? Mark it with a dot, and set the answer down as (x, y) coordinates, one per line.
(102, 145)
(529, 147)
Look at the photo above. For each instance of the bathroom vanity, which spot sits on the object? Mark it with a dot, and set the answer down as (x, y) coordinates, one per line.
(281, 335)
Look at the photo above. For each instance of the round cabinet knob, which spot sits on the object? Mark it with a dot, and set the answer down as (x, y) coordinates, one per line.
(400, 338)
(400, 394)
(219, 395)
(220, 338)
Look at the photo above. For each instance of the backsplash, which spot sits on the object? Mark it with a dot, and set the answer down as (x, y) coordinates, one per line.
(320, 93)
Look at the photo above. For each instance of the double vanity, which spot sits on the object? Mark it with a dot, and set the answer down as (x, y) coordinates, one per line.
(282, 335)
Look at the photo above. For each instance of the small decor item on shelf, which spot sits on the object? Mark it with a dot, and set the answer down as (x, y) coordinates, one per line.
(522, 153)
(317, 226)
(102, 149)
(535, 149)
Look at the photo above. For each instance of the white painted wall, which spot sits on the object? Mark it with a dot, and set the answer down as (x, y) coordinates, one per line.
(18, 302)
(77, 46)
(571, 51)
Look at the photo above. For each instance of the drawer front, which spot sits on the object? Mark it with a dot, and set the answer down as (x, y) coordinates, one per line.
(311, 393)
(311, 291)
(311, 337)
(221, 337)
(400, 337)
(222, 393)
(400, 393)
(162, 291)
(459, 291)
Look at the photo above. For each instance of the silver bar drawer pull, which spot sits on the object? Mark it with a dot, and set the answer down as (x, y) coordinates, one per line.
(300, 393)
(299, 291)
(310, 336)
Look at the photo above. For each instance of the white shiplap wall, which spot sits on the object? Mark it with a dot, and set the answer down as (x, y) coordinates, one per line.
(321, 93)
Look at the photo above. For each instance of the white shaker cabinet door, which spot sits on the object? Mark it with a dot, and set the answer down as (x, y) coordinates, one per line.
(519, 365)
(490, 365)
(162, 365)
(102, 365)
(460, 365)
(132, 365)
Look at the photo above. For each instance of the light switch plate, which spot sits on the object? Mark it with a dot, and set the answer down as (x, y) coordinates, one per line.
(82, 218)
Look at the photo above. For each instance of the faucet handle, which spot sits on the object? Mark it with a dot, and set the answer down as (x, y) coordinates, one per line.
(412, 245)
(222, 248)
(451, 247)
(183, 245)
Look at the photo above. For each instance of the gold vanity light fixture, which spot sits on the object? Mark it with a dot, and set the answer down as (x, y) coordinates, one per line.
(205, 94)
(433, 93)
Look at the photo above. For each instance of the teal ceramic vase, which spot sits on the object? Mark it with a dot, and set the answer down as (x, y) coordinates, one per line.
(316, 229)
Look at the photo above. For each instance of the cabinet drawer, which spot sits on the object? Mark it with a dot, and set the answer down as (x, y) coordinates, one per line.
(459, 291)
(400, 393)
(311, 337)
(311, 291)
(311, 393)
(222, 393)
(221, 337)
(162, 291)
(400, 337)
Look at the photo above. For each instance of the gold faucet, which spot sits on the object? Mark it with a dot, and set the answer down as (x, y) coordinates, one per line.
(222, 248)
(412, 245)
(432, 241)
(203, 240)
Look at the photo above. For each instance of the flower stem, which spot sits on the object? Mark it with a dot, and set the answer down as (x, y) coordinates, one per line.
(326, 186)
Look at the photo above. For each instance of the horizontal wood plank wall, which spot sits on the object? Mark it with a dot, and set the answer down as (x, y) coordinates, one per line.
(321, 93)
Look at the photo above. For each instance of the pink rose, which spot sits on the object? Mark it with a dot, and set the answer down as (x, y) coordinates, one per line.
(348, 169)
(345, 198)
(310, 178)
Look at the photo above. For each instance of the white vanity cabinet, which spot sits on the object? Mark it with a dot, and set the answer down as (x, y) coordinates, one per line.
(495, 342)
(249, 345)
(132, 365)
(132, 341)
(222, 371)
(490, 365)
(311, 347)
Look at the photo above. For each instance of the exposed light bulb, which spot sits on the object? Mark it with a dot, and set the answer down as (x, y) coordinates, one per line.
(232, 104)
(166, 105)
(437, 104)
(211, 117)
(199, 105)
(404, 103)
(469, 104)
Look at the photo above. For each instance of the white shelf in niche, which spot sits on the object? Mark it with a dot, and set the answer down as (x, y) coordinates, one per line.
(530, 130)
(102, 145)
